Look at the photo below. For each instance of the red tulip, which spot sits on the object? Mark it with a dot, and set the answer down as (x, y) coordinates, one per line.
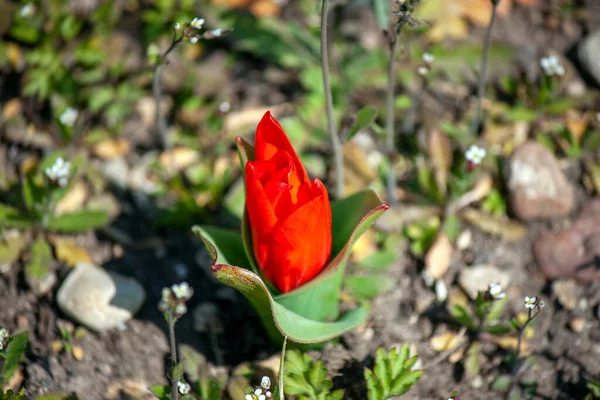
(290, 215)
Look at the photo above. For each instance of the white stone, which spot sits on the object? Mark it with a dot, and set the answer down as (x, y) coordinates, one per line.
(99, 299)
(479, 277)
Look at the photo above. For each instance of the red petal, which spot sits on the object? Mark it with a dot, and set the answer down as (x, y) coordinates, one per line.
(270, 137)
(301, 244)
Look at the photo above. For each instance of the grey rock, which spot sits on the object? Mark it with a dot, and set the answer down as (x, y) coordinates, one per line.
(537, 186)
(589, 54)
(99, 299)
(479, 277)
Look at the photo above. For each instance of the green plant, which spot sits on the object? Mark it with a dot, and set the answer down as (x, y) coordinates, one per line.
(483, 314)
(594, 387)
(307, 379)
(393, 374)
(12, 349)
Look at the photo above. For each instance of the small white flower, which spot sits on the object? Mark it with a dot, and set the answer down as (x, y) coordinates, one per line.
(69, 116)
(216, 32)
(530, 302)
(182, 291)
(428, 58)
(27, 10)
(4, 334)
(475, 154)
(177, 26)
(496, 292)
(183, 387)
(197, 23)
(225, 107)
(194, 40)
(258, 392)
(180, 309)
(551, 66)
(265, 383)
(268, 394)
(541, 304)
(423, 70)
(59, 172)
(248, 397)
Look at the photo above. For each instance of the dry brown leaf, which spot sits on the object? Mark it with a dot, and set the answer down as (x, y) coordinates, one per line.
(12, 108)
(178, 158)
(577, 123)
(77, 352)
(438, 256)
(507, 229)
(479, 191)
(359, 174)
(259, 8)
(444, 341)
(111, 148)
(440, 152)
(510, 343)
(66, 250)
(73, 199)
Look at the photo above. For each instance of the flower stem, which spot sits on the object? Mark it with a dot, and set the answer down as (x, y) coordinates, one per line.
(335, 140)
(390, 142)
(281, 372)
(161, 123)
(174, 379)
(515, 371)
(483, 73)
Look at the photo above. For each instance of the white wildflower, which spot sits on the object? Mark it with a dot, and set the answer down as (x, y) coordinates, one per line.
(495, 290)
(423, 70)
(182, 291)
(180, 309)
(428, 58)
(59, 172)
(530, 302)
(194, 40)
(69, 116)
(183, 387)
(225, 107)
(475, 154)
(3, 337)
(248, 397)
(27, 10)
(551, 66)
(265, 383)
(216, 32)
(197, 23)
(177, 27)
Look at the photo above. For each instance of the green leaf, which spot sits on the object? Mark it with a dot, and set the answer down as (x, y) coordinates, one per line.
(306, 378)
(12, 356)
(495, 310)
(501, 383)
(10, 217)
(163, 392)
(364, 118)
(379, 260)
(368, 286)
(392, 375)
(41, 258)
(403, 383)
(463, 317)
(498, 329)
(374, 388)
(383, 11)
(78, 221)
(11, 245)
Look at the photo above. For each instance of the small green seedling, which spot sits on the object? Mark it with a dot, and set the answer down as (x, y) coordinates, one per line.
(393, 374)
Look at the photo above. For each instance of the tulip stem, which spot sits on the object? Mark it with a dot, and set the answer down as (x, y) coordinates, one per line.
(335, 140)
(483, 72)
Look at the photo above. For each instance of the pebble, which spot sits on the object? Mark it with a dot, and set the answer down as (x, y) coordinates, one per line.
(537, 186)
(478, 278)
(573, 252)
(577, 325)
(589, 55)
(567, 291)
(98, 299)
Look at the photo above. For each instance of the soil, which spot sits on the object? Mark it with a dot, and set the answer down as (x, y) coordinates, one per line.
(135, 357)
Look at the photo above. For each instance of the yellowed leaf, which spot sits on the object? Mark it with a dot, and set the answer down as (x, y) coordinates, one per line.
(438, 256)
(577, 123)
(67, 251)
(506, 228)
(444, 341)
(111, 148)
(12, 108)
(178, 158)
(73, 200)
(510, 343)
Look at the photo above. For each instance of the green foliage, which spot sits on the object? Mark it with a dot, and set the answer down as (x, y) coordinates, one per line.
(308, 379)
(11, 356)
(594, 387)
(364, 118)
(393, 374)
(422, 234)
(11, 395)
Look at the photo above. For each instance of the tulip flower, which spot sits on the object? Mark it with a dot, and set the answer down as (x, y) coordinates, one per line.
(290, 215)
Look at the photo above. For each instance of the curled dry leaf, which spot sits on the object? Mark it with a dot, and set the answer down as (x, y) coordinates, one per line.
(506, 228)
(444, 341)
(73, 200)
(438, 256)
(481, 190)
(178, 158)
(67, 251)
(111, 148)
(440, 151)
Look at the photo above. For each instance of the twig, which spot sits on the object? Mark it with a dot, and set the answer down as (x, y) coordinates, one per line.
(161, 123)
(335, 140)
(174, 379)
(483, 73)
(405, 16)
